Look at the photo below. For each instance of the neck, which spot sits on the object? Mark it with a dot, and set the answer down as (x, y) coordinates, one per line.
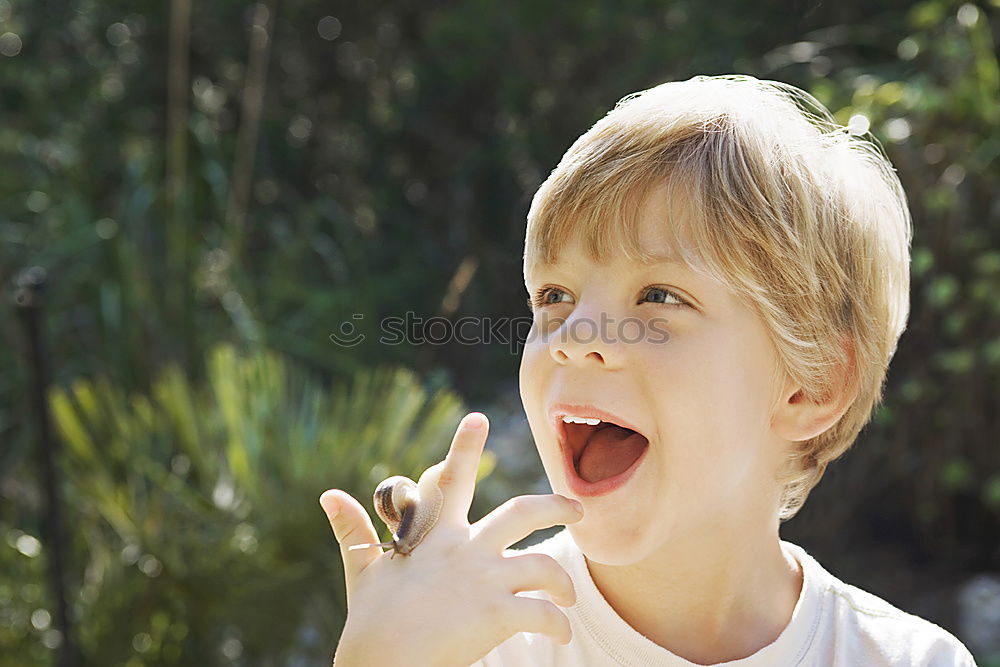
(717, 597)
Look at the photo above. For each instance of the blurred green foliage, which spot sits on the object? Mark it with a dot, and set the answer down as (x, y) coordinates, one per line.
(197, 525)
(398, 142)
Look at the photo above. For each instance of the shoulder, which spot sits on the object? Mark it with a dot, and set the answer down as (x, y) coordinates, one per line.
(865, 627)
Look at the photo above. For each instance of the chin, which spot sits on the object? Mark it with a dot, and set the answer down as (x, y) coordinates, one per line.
(608, 547)
(602, 534)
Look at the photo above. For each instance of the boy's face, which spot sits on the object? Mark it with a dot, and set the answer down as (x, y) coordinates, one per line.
(696, 380)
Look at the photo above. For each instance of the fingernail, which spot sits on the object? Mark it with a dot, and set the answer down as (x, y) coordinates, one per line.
(577, 505)
(475, 420)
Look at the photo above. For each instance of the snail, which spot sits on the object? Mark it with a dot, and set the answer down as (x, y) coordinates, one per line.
(410, 509)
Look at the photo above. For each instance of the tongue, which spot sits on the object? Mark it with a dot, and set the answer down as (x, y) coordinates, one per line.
(610, 451)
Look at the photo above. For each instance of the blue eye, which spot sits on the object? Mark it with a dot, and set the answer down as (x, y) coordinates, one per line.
(662, 295)
(543, 297)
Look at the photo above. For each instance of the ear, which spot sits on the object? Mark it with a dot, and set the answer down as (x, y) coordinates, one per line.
(796, 418)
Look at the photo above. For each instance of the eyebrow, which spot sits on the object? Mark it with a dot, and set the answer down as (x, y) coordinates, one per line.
(669, 258)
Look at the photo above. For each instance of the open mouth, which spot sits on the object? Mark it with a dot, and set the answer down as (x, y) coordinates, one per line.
(603, 450)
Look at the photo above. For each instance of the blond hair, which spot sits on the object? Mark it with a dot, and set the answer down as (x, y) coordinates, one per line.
(803, 220)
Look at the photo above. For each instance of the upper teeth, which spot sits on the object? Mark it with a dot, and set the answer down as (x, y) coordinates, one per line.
(571, 419)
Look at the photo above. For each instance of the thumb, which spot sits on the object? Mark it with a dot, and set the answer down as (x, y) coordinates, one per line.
(351, 526)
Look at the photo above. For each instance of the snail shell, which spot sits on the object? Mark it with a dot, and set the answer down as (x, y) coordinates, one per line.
(410, 509)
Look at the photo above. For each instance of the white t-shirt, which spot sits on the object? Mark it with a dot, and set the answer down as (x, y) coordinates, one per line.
(833, 625)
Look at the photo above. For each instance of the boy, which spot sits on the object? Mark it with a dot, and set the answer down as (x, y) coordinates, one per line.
(718, 277)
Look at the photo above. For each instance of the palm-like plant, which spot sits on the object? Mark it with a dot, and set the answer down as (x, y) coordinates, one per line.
(196, 506)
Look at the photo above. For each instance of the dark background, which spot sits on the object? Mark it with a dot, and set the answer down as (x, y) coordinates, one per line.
(212, 189)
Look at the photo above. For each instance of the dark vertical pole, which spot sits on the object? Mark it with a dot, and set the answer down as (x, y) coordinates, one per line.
(179, 229)
(29, 301)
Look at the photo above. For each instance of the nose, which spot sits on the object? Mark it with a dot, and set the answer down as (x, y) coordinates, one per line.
(584, 338)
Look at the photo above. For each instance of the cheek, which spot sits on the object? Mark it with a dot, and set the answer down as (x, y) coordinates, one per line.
(531, 383)
(534, 357)
(746, 374)
(698, 388)
(686, 370)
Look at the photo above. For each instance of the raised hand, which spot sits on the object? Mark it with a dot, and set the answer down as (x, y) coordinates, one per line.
(452, 599)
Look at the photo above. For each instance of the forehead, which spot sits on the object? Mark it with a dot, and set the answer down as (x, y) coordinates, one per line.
(650, 229)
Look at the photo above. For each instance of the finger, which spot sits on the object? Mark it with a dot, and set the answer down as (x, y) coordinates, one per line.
(351, 526)
(458, 473)
(541, 616)
(521, 516)
(541, 572)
